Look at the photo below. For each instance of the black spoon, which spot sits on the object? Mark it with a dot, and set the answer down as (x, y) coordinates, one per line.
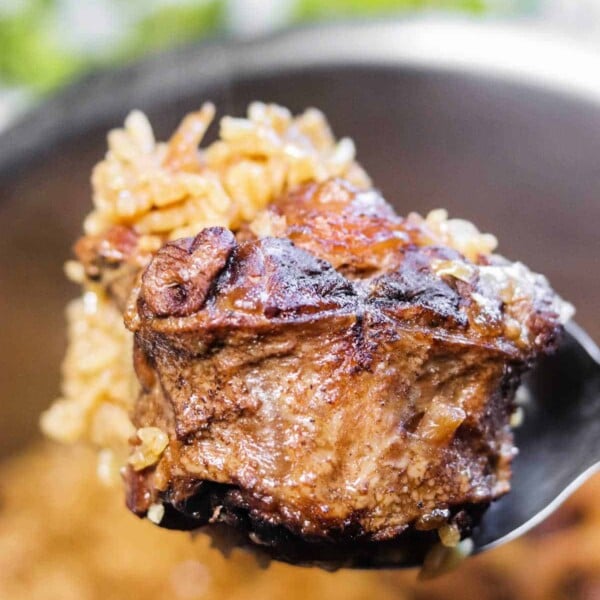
(559, 440)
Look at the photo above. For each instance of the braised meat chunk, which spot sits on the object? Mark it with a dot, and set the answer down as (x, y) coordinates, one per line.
(334, 382)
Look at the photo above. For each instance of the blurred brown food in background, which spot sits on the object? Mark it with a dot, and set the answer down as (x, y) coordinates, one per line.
(63, 536)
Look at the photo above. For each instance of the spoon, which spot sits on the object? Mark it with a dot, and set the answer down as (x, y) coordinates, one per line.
(558, 441)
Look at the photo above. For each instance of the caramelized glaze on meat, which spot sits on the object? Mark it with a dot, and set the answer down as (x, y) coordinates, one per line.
(334, 382)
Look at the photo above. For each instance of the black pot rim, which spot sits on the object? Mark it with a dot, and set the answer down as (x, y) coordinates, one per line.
(513, 53)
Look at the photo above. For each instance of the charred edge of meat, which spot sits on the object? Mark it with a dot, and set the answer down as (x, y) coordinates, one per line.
(413, 284)
(295, 281)
(215, 505)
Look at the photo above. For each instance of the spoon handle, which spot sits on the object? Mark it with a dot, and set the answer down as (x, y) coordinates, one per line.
(591, 390)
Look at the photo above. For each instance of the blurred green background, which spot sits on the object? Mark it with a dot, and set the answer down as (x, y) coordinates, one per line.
(45, 44)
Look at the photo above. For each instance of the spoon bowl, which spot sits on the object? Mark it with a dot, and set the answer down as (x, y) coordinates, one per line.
(558, 441)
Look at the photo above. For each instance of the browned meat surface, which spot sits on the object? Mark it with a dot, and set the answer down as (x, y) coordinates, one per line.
(112, 259)
(333, 383)
(357, 232)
